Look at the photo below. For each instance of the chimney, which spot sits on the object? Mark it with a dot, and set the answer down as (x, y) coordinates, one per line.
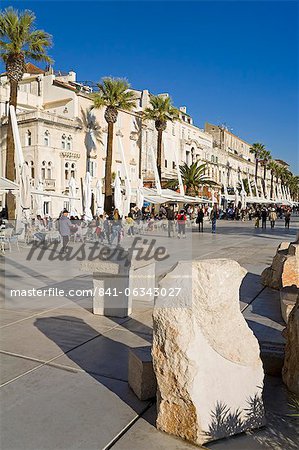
(183, 109)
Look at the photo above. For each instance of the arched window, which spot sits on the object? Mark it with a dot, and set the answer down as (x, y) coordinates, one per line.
(49, 170)
(47, 138)
(69, 143)
(31, 168)
(28, 138)
(43, 170)
(63, 141)
(66, 171)
(73, 170)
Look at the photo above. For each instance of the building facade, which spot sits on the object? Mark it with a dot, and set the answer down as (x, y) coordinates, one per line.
(62, 138)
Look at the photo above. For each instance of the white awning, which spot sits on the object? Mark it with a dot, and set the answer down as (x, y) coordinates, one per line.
(7, 185)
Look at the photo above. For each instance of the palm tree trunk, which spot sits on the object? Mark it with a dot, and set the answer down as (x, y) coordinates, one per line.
(264, 181)
(271, 190)
(10, 153)
(108, 169)
(256, 168)
(159, 153)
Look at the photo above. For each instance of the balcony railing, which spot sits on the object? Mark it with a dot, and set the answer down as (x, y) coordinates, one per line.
(49, 185)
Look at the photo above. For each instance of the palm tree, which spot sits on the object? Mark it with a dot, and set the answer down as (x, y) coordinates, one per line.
(92, 130)
(294, 187)
(114, 95)
(193, 176)
(272, 166)
(265, 157)
(257, 149)
(19, 41)
(161, 111)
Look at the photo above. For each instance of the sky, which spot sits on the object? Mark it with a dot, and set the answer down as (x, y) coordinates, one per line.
(228, 62)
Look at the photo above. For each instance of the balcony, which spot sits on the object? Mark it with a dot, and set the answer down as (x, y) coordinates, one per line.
(49, 185)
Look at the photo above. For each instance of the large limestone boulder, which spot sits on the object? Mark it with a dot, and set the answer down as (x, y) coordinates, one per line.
(290, 371)
(206, 359)
(272, 275)
(290, 270)
(288, 298)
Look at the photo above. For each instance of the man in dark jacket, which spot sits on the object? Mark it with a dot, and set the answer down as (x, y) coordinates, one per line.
(65, 226)
(170, 218)
(264, 218)
(199, 220)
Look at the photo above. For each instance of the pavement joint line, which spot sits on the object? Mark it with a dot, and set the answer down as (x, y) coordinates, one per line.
(59, 355)
(127, 427)
(254, 298)
(33, 315)
(58, 366)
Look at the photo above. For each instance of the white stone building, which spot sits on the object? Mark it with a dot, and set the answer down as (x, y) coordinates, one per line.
(61, 139)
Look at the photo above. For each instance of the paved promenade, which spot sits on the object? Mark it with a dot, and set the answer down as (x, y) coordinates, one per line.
(64, 370)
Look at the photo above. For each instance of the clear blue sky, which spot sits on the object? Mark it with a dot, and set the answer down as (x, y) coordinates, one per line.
(232, 62)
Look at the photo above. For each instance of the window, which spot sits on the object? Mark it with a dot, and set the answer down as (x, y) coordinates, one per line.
(43, 170)
(173, 130)
(212, 158)
(73, 170)
(28, 138)
(91, 167)
(66, 171)
(49, 170)
(47, 138)
(216, 159)
(165, 163)
(63, 141)
(46, 208)
(31, 167)
(69, 143)
(173, 165)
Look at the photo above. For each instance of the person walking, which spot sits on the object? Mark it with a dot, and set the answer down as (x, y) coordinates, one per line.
(116, 226)
(170, 219)
(257, 218)
(213, 218)
(287, 219)
(272, 217)
(65, 227)
(199, 220)
(182, 224)
(264, 218)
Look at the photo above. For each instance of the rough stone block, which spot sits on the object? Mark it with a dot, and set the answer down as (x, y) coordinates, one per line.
(288, 298)
(206, 358)
(141, 376)
(290, 371)
(290, 271)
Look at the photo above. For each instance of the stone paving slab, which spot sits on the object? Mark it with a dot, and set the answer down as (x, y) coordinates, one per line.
(264, 317)
(12, 367)
(107, 355)
(31, 337)
(55, 409)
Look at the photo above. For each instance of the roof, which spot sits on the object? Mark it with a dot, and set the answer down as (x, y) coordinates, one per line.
(32, 69)
(64, 85)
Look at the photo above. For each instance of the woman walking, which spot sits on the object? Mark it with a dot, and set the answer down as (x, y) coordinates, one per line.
(213, 217)
(272, 217)
(182, 224)
(116, 226)
(199, 220)
(287, 219)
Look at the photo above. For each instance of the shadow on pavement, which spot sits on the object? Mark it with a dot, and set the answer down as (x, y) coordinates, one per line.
(101, 357)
